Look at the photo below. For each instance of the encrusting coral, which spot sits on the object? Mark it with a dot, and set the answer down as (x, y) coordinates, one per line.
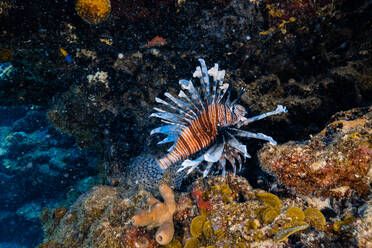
(93, 11)
(159, 215)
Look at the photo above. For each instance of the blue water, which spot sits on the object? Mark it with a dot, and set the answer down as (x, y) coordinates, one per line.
(39, 168)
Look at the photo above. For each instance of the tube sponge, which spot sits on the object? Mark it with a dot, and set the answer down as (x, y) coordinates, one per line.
(159, 215)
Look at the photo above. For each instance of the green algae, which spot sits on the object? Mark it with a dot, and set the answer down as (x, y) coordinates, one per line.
(225, 192)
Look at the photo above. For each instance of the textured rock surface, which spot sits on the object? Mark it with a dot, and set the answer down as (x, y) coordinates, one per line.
(335, 162)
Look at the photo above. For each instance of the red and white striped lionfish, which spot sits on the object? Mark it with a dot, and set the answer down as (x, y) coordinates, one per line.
(205, 120)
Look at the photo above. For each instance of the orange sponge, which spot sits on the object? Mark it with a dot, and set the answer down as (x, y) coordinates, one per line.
(93, 11)
(159, 215)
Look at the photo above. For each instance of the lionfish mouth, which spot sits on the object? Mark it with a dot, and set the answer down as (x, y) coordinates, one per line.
(202, 119)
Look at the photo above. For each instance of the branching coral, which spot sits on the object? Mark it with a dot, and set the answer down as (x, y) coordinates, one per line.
(159, 215)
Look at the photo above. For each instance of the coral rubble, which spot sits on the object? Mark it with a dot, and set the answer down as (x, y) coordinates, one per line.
(335, 162)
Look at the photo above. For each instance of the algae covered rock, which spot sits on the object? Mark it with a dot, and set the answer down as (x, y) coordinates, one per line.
(96, 219)
(335, 162)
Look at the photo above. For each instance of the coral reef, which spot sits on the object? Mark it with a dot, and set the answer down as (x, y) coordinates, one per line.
(159, 215)
(239, 216)
(93, 11)
(335, 162)
(313, 60)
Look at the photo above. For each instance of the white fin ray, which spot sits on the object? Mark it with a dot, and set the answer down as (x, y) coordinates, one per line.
(214, 153)
(233, 142)
(171, 117)
(191, 164)
(195, 97)
(179, 110)
(222, 89)
(182, 106)
(193, 108)
(246, 134)
(279, 109)
(207, 169)
(202, 73)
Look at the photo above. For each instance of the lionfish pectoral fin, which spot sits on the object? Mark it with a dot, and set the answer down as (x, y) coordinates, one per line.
(168, 140)
(192, 164)
(247, 134)
(233, 142)
(206, 171)
(214, 153)
(222, 163)
(167, 129)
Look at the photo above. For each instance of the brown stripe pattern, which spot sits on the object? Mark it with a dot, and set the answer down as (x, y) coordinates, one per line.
(199, 133)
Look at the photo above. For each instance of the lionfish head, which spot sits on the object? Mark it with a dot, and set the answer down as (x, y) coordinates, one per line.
(239, 113)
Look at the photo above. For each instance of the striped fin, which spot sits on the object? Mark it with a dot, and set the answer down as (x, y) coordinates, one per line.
(222, 88)
(212, 155)
(195, 97)
(179, 110)
(181, 104)
(202, 73)
(192, 105)
(213, 72)
(170, 117)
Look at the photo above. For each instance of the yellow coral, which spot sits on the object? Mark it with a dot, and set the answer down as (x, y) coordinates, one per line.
(192, 243)
(315, 217)
(196, 227)
(269, 200)
(208, 229)
(345, 224)
(93, 11)
(159, 215)
(295, 213)
(269, 214)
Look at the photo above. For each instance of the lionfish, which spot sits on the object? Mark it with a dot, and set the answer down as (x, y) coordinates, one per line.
(205, 120)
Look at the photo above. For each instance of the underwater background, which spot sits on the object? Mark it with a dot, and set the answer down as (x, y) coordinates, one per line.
(79, 80)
